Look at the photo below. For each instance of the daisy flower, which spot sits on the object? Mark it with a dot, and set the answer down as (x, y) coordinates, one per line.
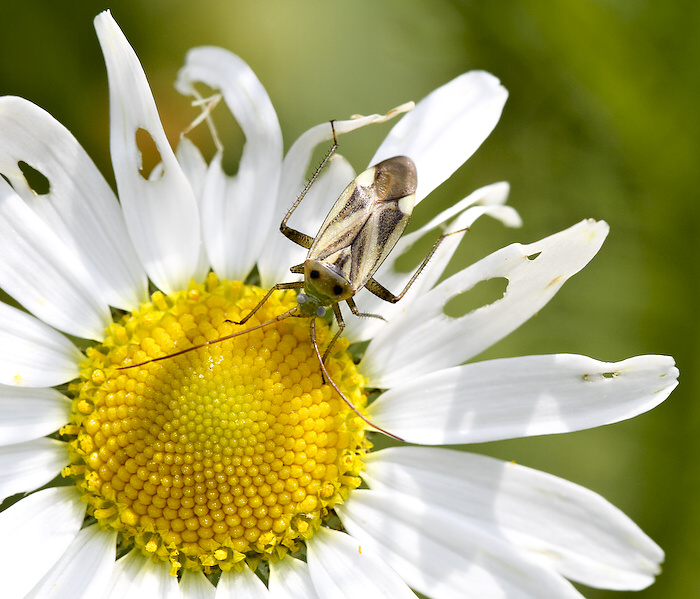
(236, 469)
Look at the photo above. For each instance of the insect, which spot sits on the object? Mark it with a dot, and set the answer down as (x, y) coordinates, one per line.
(359, 232)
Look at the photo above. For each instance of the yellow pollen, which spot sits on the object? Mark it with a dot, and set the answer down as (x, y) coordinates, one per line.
(235, 451)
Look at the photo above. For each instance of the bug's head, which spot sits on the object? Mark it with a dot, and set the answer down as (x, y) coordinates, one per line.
(323, 286)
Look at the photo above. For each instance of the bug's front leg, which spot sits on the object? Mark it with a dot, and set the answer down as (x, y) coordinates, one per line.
(293, 285)
(383, 293)
(341, 326)
(298, 237)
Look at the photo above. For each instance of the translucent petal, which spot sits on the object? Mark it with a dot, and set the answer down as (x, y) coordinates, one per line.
(274, 263)
(521, 397)
(161, 213)
(83, 571)
(79, 206)
(549, 520)
(446, 128)
(281, 253)
(423, 339)
(27, 413)
(32, 354)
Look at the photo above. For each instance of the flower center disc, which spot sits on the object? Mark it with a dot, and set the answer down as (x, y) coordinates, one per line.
(232, 451)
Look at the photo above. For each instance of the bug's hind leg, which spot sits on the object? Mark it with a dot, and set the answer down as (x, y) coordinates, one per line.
(341, 326)
(384, 294)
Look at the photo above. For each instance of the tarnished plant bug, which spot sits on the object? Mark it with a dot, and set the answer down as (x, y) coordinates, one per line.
(359, 232)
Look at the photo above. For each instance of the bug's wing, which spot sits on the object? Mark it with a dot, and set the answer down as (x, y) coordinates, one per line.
(367, 220)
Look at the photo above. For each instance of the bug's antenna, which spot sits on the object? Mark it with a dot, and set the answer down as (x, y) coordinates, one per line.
(338, 391)
(277, 318)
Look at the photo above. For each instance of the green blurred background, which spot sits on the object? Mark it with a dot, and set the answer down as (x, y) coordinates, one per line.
(602, 122)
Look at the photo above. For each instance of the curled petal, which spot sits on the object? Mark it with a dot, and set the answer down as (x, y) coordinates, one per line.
(237, 211)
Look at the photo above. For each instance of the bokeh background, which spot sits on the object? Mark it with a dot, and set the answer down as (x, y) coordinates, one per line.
(602, 122)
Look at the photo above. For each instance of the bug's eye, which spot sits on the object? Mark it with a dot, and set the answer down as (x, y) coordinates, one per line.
(314, 274)
(337, 290)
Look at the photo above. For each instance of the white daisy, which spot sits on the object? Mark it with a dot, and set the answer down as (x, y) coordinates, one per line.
(236, 461)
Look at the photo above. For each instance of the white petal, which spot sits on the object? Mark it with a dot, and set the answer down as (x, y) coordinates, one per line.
(195, 168)
(43, 274)
(28, 466)
(441, 556)
(194, 585)
(485, 201)
(161, 214)
(424, 339)
(83, 570)
(340, 567)
(32, 354)
(27, 413)
(238, 210)
(522, 397)
(290, 579)
(36, 531)
(281, 253)
(241, 584)
(446, 128)
(557, 523)
(274, 263)
(79, 207)
(136, 577)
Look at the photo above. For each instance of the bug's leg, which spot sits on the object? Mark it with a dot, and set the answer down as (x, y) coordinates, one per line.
(353, 308)
(383, 293)
(337, 389)
(341, 326)
(294, 285)
(298, 237)
(208, 105)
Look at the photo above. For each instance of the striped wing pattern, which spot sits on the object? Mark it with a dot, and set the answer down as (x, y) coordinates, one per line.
(367, 221)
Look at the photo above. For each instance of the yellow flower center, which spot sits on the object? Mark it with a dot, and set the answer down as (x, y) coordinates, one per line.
(238, 450)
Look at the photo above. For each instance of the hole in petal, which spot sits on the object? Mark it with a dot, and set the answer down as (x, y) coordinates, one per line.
(37, 182)
(150, 156)
(482, 294)
(534, 256)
